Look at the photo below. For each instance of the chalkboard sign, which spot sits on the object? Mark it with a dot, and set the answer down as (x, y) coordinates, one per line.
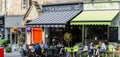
(113, 34)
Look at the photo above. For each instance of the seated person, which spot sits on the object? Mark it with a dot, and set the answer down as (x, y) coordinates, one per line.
(91, 48)
(101, 48)
(46, 46)
(61, 47)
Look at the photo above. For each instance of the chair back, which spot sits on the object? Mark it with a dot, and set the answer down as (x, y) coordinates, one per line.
(75, 48)
(69, 49)
(111, 48)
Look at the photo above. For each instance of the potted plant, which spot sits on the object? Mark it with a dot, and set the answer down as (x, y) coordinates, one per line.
(21, 40)
(68, 37)
(8, 49)
(4, 42)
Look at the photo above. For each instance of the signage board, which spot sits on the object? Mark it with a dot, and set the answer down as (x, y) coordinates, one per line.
(113, 34)
(63, 7)
(101, 6)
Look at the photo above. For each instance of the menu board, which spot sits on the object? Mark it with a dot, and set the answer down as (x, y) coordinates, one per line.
(113, 34)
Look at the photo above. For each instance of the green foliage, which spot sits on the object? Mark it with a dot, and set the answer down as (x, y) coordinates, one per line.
(68, 37)
(8, 49)
(3, 41)
(21, 39)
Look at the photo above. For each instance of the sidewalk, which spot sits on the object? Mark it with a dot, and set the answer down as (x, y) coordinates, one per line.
(13, 54)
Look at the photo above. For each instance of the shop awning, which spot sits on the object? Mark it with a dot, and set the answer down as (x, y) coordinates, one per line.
(53, 19)
(95, 17)
(14, 21)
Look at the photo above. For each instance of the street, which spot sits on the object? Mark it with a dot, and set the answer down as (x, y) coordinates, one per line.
(12, 54)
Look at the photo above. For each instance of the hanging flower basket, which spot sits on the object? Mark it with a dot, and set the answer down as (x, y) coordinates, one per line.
(15, 28)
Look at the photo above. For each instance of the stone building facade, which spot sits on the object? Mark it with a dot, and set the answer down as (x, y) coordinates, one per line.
(19, 7)
(14, 7)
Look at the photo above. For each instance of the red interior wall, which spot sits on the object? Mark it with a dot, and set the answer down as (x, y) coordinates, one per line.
(37, 35)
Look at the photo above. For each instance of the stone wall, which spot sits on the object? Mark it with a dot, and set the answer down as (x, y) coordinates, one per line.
(16, 8)
(56, 1)
(13, 7)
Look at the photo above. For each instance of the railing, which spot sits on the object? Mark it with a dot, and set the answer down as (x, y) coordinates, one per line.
(105, 54)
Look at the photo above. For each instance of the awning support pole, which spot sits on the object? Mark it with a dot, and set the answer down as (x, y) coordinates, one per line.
(83, 34)
(108, 32)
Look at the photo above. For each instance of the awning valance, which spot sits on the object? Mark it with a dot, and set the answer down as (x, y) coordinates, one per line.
(95, 17)
(54, 19)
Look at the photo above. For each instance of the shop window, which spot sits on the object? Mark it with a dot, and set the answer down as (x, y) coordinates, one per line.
(57, 33)
(23, 4)
(113, 34)
(3, 5)
(7, 4)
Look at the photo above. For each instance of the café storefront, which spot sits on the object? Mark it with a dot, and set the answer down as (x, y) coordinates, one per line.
(54, 20)
(100, 22)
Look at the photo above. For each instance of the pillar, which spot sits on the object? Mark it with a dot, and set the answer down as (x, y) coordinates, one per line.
(119, 27)
(119, 32)
(11, 39)
(6, 33)
(83, 34)
(28, 32)
(119, 24)
(28, 38)
(10, 36)
(108, 32)
(46, 34)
